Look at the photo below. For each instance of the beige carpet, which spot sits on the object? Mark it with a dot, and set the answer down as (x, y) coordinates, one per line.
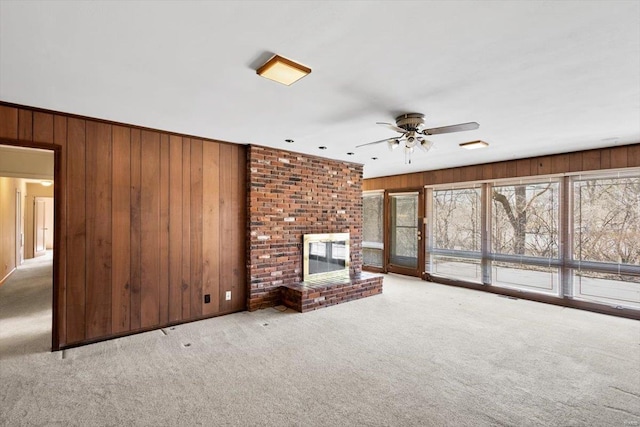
(420, 354)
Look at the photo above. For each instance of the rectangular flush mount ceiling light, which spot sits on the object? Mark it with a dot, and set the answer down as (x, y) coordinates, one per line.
(473, 145)
(283, 70)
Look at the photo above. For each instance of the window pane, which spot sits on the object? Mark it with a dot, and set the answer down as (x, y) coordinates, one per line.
(456, 222)
(457, 268)
(405, 209)
(525, 220)
(606, 218)
(404, 246)
(526, 277)
(372, 257)
(372, 217)
(372, 230)
(613, 289)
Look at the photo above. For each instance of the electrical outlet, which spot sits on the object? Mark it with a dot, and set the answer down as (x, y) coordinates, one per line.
(227, 296)
(207, 298)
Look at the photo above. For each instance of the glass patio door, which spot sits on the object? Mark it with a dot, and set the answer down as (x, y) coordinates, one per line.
(405, 234)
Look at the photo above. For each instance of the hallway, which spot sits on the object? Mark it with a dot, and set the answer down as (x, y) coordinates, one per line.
(25, 308)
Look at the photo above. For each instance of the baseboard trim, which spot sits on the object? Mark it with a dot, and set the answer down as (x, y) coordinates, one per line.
(4, 279)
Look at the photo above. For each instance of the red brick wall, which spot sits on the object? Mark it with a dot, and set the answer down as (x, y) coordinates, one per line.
(290, 195)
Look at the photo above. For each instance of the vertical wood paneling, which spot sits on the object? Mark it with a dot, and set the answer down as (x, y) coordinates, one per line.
(186, 228)
(619, 156)
(98, 225)
(150, 229)
(455, 175)
(136, 225)
(175, 228)
(633, 155)
(148, 221)
(499, 170)
(560, 163)
(42, 127)
(8, 122)
(575, 162)
(213, 168)
(196, 228)
(605, 158)
(25, 125)
(467, 173)
(164, 229)
(60, 138)
(121, 231)
(239, 300)
(436, 177)
(591, 160)
(447, 176)
(487, 171)
(76, 230)
(523, 167)
(542, 165)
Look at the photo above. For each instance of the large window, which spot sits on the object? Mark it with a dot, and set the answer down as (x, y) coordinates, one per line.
(524, 236)
(372, 230)
(457, 234)
(569, 236)
(606, 239)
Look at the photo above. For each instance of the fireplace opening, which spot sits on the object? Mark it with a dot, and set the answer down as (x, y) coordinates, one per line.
(325, 255)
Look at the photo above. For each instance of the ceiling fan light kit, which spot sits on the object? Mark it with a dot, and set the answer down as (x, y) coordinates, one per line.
(411, 126)
(283, 70)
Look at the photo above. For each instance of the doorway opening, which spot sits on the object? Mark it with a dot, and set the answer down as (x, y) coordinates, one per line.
(26, 249)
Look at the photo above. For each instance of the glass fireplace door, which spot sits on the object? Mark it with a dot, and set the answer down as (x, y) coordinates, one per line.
(405, 233)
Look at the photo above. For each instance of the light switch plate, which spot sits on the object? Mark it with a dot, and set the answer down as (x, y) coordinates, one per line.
(227, 296)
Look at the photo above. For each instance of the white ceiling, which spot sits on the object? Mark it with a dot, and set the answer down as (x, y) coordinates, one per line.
(539, 77)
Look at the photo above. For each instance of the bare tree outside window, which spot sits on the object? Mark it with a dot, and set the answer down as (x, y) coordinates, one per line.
(607, 220)
(525, 220)
(457, 216)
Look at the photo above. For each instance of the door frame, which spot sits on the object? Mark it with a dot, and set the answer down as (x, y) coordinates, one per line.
(19, 231)
(57, 304)
(418, 271)
(36, 231)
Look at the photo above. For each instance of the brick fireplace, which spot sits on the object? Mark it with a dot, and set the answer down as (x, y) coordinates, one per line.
(291, 195)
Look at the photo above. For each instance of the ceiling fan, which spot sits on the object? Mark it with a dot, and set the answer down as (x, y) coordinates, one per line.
(411, 126)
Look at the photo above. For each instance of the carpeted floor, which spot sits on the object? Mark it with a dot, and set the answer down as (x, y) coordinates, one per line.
(420, 354)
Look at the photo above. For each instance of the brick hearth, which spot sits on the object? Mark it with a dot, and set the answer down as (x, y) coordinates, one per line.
(308, 296)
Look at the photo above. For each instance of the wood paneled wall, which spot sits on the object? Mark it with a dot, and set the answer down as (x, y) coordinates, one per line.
(580, 161)
(149, 223)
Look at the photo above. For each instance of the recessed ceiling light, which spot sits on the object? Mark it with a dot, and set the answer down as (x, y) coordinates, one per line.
(350, 153)
(46, 183)
(474, 144)
(283, 70)
(322, 147)
(290, 141)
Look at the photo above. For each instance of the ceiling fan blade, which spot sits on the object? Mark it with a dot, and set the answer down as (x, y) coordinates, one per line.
(392, 127)
(453, 128)
(376, 142)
